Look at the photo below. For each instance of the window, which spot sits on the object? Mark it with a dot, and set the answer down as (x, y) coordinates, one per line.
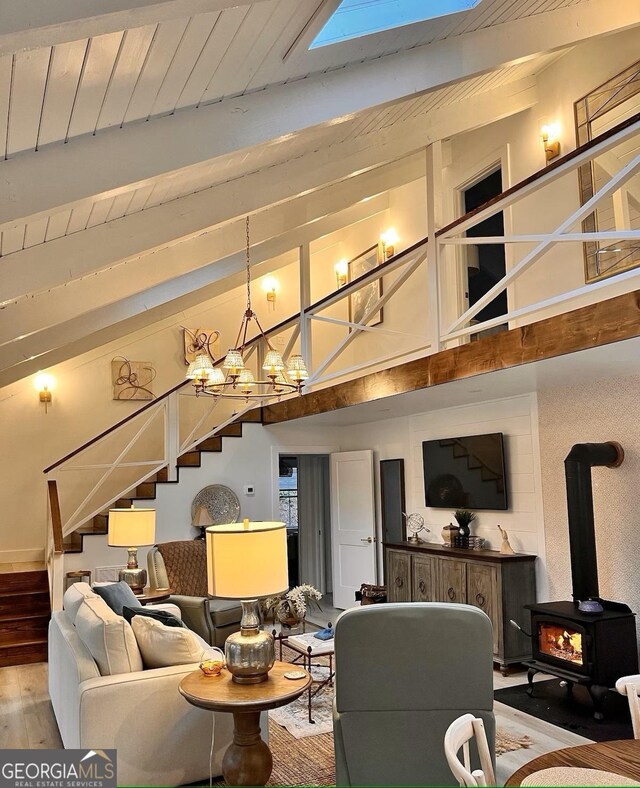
(355, 18)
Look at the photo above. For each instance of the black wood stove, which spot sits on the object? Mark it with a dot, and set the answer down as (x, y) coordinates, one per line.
(590, 641)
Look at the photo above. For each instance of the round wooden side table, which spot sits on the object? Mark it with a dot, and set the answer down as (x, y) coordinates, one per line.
(153, 595)
(248, 759)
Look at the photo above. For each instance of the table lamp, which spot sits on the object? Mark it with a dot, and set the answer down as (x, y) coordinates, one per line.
(246, 561)
(129, 527)
(201, 520)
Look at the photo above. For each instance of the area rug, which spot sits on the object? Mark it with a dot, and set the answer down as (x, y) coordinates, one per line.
(295, 716)
(552, 703)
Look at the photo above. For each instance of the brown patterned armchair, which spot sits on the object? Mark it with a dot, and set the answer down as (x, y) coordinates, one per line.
(182, 566)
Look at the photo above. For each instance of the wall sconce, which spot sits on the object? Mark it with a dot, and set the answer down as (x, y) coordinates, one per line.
(270, 285)
(389, 239)
(550, 133)
(44, 385)
(342, 272)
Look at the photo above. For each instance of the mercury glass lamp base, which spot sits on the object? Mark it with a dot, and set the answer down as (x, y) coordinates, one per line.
(136, 578)
(250, 653)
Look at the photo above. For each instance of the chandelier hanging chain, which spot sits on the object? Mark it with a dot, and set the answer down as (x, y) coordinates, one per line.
(249, 311)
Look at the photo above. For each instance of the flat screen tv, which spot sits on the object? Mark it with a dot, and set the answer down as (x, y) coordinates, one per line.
(465, 473)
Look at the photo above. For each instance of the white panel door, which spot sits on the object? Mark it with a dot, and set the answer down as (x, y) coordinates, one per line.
(353, 527)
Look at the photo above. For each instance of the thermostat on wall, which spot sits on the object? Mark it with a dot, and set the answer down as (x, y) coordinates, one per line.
(249, 489)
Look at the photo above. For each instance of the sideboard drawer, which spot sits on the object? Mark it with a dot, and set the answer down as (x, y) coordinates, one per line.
(423, 576)
(452, 581)
(398, 576)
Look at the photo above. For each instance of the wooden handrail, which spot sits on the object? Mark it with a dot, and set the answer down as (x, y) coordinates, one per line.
(544, 171)
(387, 263)
(56, 518)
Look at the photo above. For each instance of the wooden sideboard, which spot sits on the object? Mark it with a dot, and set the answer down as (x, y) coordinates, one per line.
(501, 585)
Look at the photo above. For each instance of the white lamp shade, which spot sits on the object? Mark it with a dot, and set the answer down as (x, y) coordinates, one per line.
(247, 560)
(202, 517)
(132, 527)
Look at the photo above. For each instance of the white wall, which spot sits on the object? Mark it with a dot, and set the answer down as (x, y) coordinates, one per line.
(250, 460)
(605, 410)
(516, 418)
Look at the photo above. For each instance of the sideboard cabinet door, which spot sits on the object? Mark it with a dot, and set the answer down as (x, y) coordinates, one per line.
(423, 573)
(482, 592)
(398, 576)
(452, 581)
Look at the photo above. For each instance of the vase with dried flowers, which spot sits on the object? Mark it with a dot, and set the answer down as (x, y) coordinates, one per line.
(290, 609)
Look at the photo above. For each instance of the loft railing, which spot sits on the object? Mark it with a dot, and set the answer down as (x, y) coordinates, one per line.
(568, 230)
(154, 436)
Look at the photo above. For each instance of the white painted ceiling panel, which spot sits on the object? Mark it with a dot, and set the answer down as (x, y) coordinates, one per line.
(5, 93)
(13, 239)
(131, 59)
(165, 42)
(183, 61)
(99, 212)
(62, 83)
(28, 80)
(212, 53)
(79, 217)
(101, 57)
(139, 199)
(57, 225)
(35, 232)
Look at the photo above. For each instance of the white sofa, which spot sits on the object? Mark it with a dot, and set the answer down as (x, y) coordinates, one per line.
(160, 738)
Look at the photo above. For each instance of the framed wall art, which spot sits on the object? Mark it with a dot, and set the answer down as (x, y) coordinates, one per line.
(362, 300)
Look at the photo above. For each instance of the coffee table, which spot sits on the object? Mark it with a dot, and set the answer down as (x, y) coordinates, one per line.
(248, 760)
(308, 647)
(621, 757)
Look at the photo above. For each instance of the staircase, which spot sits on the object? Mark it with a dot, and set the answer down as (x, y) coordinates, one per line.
(475, 463)
(146, 491)
(24, 617)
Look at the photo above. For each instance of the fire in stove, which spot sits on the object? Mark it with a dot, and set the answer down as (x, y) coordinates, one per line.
(560, 642)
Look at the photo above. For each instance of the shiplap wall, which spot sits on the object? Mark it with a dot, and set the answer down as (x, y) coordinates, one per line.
(516, 418)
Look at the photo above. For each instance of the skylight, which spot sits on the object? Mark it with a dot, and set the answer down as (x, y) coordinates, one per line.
(355, 18)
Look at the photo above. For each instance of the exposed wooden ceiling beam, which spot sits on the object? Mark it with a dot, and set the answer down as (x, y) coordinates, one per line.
(28, 24)
(57, 262)
(616, 319)
(112, 321)
(35, 184)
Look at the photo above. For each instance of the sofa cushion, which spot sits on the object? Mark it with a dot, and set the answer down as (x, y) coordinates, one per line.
(74, 596)
(117, 595)
(225, 612)
(108, 637)
(186, 566)
(163, 646)
(168, 619)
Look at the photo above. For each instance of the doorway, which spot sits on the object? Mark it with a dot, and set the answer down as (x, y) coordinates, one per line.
(305, 508)
(486, 263)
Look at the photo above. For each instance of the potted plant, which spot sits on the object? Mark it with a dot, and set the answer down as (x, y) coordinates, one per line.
(291, 608)
(464, 519)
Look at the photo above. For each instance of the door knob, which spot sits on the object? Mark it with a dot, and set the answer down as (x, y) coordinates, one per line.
(368, 539)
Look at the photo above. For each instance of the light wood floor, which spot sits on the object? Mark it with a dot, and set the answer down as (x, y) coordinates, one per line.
(27, 721)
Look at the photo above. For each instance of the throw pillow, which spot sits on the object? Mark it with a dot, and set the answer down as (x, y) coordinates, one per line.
(74, 596)
(168, 619)
(108, 637)
(117, 595)
(163, 647)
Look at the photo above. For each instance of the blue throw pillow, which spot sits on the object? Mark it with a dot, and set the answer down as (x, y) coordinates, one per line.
(117, 595)
(163, 616)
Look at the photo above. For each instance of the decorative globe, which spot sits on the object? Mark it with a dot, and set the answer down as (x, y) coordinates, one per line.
(415, 523)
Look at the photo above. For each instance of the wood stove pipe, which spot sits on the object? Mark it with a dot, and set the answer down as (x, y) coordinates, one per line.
(582, 537)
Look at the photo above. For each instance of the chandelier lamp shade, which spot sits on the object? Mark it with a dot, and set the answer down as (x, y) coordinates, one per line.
(233, 379)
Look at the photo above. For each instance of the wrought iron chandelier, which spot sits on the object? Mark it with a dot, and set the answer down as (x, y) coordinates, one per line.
(234, 380)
